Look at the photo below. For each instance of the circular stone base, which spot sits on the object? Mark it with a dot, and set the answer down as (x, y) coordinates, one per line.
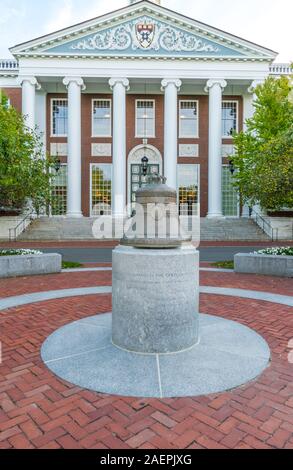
(228, 355)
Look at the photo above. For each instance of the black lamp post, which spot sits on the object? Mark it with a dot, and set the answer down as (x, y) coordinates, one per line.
(231, 167)
(144, 162)
(57, 163)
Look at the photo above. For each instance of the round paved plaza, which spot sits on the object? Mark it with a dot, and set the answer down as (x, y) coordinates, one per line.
(40, 410)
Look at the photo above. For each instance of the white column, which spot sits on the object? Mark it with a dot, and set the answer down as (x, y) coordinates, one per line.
(215, 89)
(41, 118)
(29, 86)
(171, 88)
(119, 86)
(74, 86)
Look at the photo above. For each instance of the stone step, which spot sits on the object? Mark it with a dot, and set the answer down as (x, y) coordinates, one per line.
(60, 228)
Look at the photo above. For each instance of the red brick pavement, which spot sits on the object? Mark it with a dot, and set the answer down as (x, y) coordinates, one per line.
(24, 285)
(38, 410)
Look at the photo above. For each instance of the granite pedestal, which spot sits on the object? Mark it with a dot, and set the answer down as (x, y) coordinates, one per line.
(155, 299)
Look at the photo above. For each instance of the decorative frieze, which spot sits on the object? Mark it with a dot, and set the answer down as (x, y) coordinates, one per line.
(101, 150)
(58, 149)
(188, 150)
(145, 33)
(227, 150)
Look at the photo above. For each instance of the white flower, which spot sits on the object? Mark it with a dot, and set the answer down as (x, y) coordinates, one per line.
(277, 251)
(19, 252)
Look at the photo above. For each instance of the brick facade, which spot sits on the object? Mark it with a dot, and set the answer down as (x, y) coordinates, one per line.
(131, 140)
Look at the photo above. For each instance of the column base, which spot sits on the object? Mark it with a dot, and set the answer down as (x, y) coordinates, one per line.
(74, 215)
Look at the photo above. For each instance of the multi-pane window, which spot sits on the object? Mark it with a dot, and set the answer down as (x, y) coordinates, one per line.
(188, 188)
(59, 117)
(188, 119)
(229, 194)
(101, 189)
(101, 118)
(145, 118)
(59, 191)
(229, 118)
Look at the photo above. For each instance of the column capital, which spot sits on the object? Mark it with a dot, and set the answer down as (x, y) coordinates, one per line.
(78, 80)
(254, 84)
(215, 81)
(30, 79)
(122, 81)
(171, 81)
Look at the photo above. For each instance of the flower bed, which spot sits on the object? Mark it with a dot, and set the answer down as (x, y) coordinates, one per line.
(21, 262)
(277, 251)
(20, 252)
(276, 261)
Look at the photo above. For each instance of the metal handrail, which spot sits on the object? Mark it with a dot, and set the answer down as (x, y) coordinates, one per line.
(272, 232)
(22, 224)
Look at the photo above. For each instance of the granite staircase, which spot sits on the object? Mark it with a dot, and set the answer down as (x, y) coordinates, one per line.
(57, 228)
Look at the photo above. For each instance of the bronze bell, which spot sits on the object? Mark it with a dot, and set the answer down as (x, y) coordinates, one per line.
(156, 222)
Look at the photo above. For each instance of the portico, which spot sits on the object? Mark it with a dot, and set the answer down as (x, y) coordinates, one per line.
(166, 82)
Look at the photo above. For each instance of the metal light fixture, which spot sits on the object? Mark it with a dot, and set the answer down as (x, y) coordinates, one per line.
(144, 162)
(57, 164)
(231, 167)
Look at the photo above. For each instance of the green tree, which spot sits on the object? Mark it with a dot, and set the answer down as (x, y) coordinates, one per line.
(24, 172)
(264, 152)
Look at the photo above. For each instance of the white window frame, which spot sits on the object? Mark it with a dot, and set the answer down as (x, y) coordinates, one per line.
(196, 136)
(52, 127)
(91, 186)
(50, 207)
(154, 121)
(199, 181)
(98, 135)
(237, 117)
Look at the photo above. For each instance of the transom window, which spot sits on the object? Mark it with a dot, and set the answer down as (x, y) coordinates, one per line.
(188, 119)
(145, 118)
(229, 118)
(101, 122)
(59, 118)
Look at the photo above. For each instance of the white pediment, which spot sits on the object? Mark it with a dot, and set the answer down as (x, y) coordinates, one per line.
(143, 30)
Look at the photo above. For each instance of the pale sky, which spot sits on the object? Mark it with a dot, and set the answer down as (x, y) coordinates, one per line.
(265, 22)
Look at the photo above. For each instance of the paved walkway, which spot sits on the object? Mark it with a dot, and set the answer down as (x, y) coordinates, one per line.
(38, 410)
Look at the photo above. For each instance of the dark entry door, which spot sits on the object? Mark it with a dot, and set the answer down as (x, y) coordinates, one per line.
(138, 180)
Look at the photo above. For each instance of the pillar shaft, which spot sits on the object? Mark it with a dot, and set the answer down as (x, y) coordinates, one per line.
(74, 86)
(215, 88)
(119, 87)
(171, 87)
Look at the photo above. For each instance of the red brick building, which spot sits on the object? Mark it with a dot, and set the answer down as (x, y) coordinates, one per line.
(140, 81)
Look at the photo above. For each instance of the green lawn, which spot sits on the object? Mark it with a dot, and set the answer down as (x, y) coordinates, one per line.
(224, 264)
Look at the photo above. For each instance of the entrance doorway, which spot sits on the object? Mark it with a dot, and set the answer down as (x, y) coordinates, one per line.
(138, 179)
